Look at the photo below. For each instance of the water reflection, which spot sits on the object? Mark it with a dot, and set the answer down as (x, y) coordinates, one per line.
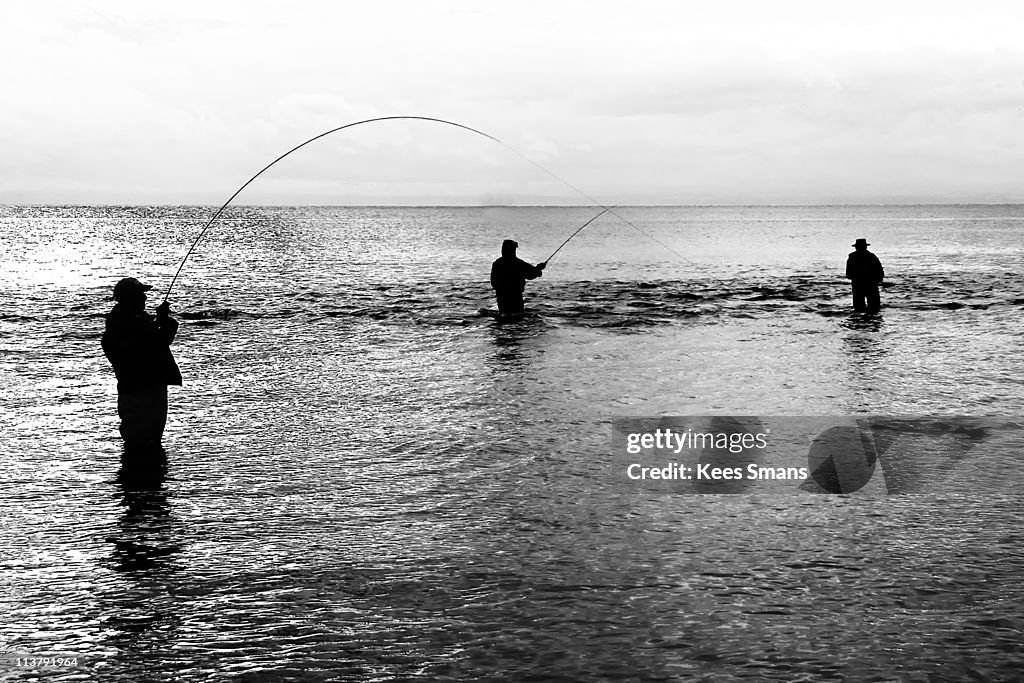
(508, 352)
(866, 351)
(866, 322)
(142, 610)
(513, 341)
(145, 537)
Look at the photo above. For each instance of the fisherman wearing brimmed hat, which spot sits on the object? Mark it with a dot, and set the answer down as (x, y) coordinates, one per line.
(508, 278)
(138, 347)
(865, 273)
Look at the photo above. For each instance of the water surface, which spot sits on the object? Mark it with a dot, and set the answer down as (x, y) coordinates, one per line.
(366, 480)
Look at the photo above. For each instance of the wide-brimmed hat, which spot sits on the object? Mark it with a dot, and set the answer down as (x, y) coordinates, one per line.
(129, 286)
(861, 241)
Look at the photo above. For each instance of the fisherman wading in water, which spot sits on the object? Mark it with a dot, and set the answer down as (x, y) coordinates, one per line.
(138, 347)
(508, 278)
(865, 273)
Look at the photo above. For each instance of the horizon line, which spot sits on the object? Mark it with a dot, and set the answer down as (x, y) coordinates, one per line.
(502, 206)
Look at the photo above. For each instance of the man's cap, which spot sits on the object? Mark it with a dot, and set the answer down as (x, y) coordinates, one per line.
(509, 244)
(129, 286)
(860, 241)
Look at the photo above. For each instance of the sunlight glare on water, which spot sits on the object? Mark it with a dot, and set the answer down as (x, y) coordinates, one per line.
(366, 480)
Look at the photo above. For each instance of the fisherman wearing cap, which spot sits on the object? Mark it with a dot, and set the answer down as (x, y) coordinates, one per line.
(508, 278)
(138, 347)
(865, 273)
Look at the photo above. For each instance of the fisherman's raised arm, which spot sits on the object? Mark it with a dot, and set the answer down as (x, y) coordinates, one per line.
(533, 272)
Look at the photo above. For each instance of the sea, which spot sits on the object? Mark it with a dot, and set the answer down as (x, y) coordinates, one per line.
(366, 479)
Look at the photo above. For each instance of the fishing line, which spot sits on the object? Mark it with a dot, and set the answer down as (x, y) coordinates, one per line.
(594, 201)
(605, 209)
(296, 148)
(611, 210)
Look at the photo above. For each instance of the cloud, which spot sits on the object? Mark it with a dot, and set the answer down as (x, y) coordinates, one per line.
(654, 99)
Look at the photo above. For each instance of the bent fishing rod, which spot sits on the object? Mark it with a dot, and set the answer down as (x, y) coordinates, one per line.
(578, 230)
(219, 211)
(216, 215)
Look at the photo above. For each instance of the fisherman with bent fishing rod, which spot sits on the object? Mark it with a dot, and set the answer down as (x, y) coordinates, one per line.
(509, 274)
(138, 345)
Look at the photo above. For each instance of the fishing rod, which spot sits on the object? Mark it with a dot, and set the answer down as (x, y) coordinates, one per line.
(216, 215)
(604, 209)
(603, 212)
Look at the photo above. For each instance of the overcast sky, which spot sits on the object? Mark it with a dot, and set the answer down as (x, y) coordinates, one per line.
(631, 102)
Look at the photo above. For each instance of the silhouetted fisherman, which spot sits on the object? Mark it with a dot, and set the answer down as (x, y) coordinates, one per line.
(138, 347)
(865, 273)
(508, 278)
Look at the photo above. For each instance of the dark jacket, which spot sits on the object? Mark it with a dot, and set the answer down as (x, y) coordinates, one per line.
(138, 347)
(510, 273)
(863, 266)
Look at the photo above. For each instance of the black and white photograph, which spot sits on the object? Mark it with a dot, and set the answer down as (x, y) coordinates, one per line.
(448, 340)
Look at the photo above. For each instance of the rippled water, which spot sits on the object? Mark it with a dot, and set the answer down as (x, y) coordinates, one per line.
(366, 480)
